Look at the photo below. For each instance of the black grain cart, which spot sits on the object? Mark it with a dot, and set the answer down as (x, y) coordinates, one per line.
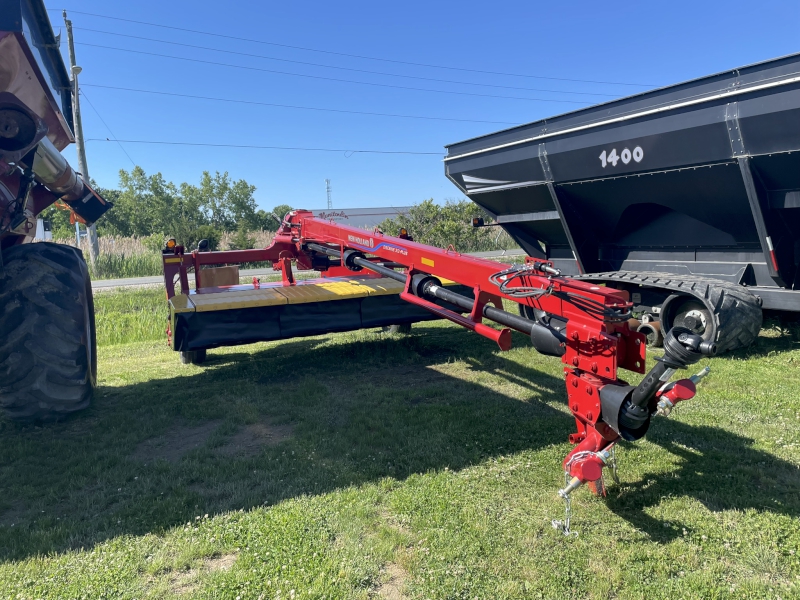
(688, 196)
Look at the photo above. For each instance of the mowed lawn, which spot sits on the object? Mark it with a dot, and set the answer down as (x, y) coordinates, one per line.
(369, 465)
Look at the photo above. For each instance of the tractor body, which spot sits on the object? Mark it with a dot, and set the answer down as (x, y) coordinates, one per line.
(44, 288)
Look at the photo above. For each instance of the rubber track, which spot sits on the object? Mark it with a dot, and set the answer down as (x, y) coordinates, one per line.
(45, 372)
(736, 311)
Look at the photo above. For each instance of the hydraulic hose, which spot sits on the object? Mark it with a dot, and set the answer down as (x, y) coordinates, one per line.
(429, 288)
(681, 349)
(353, 257)
(490, 312)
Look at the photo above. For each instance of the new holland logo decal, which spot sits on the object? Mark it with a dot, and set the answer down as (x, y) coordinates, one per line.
(368, 242)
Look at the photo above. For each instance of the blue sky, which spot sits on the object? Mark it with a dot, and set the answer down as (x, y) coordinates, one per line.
(646, 43)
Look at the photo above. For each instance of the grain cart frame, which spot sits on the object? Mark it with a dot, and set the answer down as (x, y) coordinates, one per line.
(687, 196)
(48, 359)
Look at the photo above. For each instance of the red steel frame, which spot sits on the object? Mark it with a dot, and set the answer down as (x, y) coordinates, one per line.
(595, 348)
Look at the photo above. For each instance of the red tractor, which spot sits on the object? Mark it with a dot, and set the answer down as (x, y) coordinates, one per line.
(48, 363)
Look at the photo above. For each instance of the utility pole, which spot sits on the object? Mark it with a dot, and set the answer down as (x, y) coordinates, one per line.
(94, 246)
(328, 190)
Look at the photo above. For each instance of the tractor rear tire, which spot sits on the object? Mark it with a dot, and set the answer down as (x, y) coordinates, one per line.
(195, 357)
(48, 345)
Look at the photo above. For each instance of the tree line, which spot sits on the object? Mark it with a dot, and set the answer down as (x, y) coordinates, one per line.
(149, 205)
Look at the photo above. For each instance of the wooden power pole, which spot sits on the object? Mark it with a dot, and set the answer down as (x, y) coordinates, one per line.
(94, 246)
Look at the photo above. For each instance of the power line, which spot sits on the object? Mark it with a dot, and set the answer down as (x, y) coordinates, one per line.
(335, 110)
(385, 85)
(401, 62)
(300, 62)
(83, 93)
(346, 151)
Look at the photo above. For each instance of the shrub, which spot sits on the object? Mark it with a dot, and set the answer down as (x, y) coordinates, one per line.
(451, 224)
(240, 240)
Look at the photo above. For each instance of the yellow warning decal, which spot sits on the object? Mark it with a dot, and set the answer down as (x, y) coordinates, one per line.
(427, 261)
(172, 260)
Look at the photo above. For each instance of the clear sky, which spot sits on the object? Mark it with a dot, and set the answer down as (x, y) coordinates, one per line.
(546, 45)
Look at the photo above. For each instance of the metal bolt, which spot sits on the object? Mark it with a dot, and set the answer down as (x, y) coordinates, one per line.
(589, 390)
(589, 416)
(594, 367)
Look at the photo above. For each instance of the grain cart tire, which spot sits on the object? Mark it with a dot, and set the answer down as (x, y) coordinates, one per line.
(404, 328)
(48, 346)
(730, 314)
(195, 357)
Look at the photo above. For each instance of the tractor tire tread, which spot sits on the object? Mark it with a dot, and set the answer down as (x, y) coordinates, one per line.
(47, 349)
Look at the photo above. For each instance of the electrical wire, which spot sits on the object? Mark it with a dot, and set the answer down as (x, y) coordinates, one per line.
(85, 97)
(389, 60)
(385, 85)
(335, 110)
(345, 150)
(299, 62)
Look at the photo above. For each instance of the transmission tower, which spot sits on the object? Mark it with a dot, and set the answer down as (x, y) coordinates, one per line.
(328, 190)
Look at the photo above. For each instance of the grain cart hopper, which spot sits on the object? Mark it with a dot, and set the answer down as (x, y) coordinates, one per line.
(687, 196)
(47, 337)
(372, 279)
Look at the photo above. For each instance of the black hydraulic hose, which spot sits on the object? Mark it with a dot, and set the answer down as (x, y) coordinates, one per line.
(490, 312)
(385, 271)
(360, 261)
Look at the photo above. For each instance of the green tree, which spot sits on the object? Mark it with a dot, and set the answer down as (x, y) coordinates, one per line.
(225, 204)
(149, 205)
(241, 241)
(203, 232)
(449, 224)
(60, 226)
(267, 222)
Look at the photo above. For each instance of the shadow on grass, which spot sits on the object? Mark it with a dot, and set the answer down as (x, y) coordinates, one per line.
(720, 469)
(360, 410)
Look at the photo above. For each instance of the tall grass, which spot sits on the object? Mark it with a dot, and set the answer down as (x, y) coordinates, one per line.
(122, 257)
(130, 316)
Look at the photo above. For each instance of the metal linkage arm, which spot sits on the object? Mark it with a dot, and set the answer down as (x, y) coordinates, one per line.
(584, 324)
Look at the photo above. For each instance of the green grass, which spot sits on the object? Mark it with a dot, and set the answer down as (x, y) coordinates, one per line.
(135, 315)
(421, 466)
